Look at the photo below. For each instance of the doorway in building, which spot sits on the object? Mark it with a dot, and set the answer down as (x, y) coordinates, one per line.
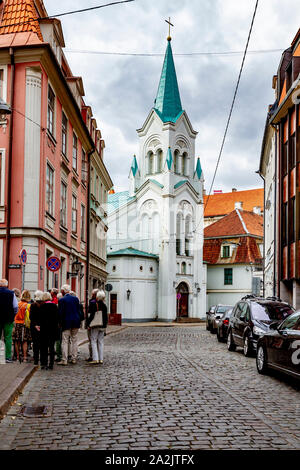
(182, 296)
(113, 303)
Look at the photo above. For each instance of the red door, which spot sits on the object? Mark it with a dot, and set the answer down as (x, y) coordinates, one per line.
(183, 306)
(113, 303)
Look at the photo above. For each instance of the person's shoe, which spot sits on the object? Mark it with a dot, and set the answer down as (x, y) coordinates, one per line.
(100, 362)
(58, 359)
(43, 367)
(73, 361)
(62, 363)
(89, 359)
(94, 362)
(50, 367)
(9, 361)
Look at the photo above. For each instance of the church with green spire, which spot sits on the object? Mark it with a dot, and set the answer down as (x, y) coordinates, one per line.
(155, 237)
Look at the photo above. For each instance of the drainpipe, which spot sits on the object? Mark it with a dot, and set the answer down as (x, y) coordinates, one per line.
(88, 215)
(275, 214)
(9, 161)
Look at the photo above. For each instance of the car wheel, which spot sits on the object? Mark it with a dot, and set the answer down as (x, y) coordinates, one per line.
(230, 344)
(247, 347)
(261, 360)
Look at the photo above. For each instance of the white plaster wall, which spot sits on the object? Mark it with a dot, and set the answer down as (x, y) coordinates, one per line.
(32, 148)
(32, 265)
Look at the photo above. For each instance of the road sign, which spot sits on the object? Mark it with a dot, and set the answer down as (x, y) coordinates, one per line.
(23, 257)
(108, 287)
(14, 266)
(53, 264)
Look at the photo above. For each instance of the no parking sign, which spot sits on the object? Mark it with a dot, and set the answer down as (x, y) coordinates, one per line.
(23, 257)
(53, 264)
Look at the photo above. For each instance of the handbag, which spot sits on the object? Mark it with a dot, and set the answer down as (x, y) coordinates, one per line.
(97, 320)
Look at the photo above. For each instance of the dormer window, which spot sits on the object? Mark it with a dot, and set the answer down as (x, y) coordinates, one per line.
(226, 251)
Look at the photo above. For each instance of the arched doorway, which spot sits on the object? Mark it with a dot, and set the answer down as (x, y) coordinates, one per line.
(182, 295)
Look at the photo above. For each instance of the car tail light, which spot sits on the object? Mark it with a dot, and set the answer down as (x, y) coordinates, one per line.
(226, 321)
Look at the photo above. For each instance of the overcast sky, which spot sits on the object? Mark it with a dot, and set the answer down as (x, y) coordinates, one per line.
(122, 89)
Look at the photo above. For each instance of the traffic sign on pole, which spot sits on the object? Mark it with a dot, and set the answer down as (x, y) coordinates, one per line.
(23, 257)
(53, 264)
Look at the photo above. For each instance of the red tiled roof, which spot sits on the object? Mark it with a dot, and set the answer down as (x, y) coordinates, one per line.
(223, 203)
(238, 222)
(246, 251)
(18, 17)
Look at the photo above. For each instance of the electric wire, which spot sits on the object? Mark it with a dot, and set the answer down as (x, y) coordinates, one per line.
(72, 12)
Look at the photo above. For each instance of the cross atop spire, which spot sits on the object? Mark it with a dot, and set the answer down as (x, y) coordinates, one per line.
(170, 24)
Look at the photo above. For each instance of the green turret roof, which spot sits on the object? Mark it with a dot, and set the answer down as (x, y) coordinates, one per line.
(168, 103)
(134, 166)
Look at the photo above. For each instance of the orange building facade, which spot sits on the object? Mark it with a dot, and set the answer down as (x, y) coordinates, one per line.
(286, 120)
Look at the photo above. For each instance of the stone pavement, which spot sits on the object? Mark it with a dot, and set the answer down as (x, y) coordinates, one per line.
(13, 377)
(159, 388)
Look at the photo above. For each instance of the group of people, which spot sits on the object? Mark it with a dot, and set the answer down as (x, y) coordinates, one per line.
(50, 323)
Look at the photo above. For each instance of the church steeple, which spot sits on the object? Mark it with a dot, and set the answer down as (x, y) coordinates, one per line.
(168, 104)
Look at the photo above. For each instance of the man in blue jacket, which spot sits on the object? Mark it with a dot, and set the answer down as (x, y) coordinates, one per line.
(8, 311)
(70, 319)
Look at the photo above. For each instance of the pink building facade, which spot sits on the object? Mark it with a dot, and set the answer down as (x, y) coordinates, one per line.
(46, 148)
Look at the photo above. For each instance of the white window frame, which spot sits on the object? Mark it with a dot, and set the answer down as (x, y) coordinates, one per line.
(48, 164)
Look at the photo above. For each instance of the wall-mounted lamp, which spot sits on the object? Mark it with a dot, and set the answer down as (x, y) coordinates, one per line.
(76, 269)
(128, 293)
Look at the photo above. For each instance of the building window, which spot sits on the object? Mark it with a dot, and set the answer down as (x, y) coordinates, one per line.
(114, 268)
(49, 189)
(151, 163)
(84, 167)
(2, 84)
(228, 276)
(2, 179)
(64, 133)
(51, 106)
(183, 268)
(285, 153)
(292, 220)
(75, 150)
(74, 214)
(63, 204)
(292, 153)
(151, 269)
(284, 224)
(82, 222)
(141, 268)
(226, 251)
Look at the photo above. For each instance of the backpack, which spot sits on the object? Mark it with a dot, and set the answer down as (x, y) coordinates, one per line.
(27, 317)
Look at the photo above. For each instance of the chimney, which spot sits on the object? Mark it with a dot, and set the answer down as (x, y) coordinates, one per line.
(257, 210)
(234, 190)
(238, 205)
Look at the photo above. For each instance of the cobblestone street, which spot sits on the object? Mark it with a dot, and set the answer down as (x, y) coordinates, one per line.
(159, 388)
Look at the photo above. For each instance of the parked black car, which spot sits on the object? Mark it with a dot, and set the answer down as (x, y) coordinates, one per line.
(209, 316)
(279, 348)
(216, 317)
(251, 319)
(222, 330)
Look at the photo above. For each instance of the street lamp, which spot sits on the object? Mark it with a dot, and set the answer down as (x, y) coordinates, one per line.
(4, 108)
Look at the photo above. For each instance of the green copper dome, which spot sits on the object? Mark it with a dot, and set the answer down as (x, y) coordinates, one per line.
(168, 103)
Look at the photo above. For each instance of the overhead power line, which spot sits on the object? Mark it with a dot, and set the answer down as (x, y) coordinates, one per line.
(192, 54)
(72, 12)
(231, 109)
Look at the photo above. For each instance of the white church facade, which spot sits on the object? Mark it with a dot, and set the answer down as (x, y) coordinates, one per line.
(155, 230)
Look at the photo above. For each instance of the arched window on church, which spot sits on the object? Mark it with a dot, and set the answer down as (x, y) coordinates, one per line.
(159, 161)
(176, 161)
(145, 232)
(155, 232)
(183, 268)
(188, 229)
(178, 234)
(150, 158)
(185, 164)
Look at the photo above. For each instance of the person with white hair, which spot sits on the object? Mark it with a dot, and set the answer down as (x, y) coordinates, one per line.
(8, 311)
(35, 324)
(97, 323)
(69, 320)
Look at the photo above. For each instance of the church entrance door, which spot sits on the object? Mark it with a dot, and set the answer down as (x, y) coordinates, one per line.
(182, 300)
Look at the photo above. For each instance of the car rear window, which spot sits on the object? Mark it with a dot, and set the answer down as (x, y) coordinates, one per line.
(223, 309)
(270, 312)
